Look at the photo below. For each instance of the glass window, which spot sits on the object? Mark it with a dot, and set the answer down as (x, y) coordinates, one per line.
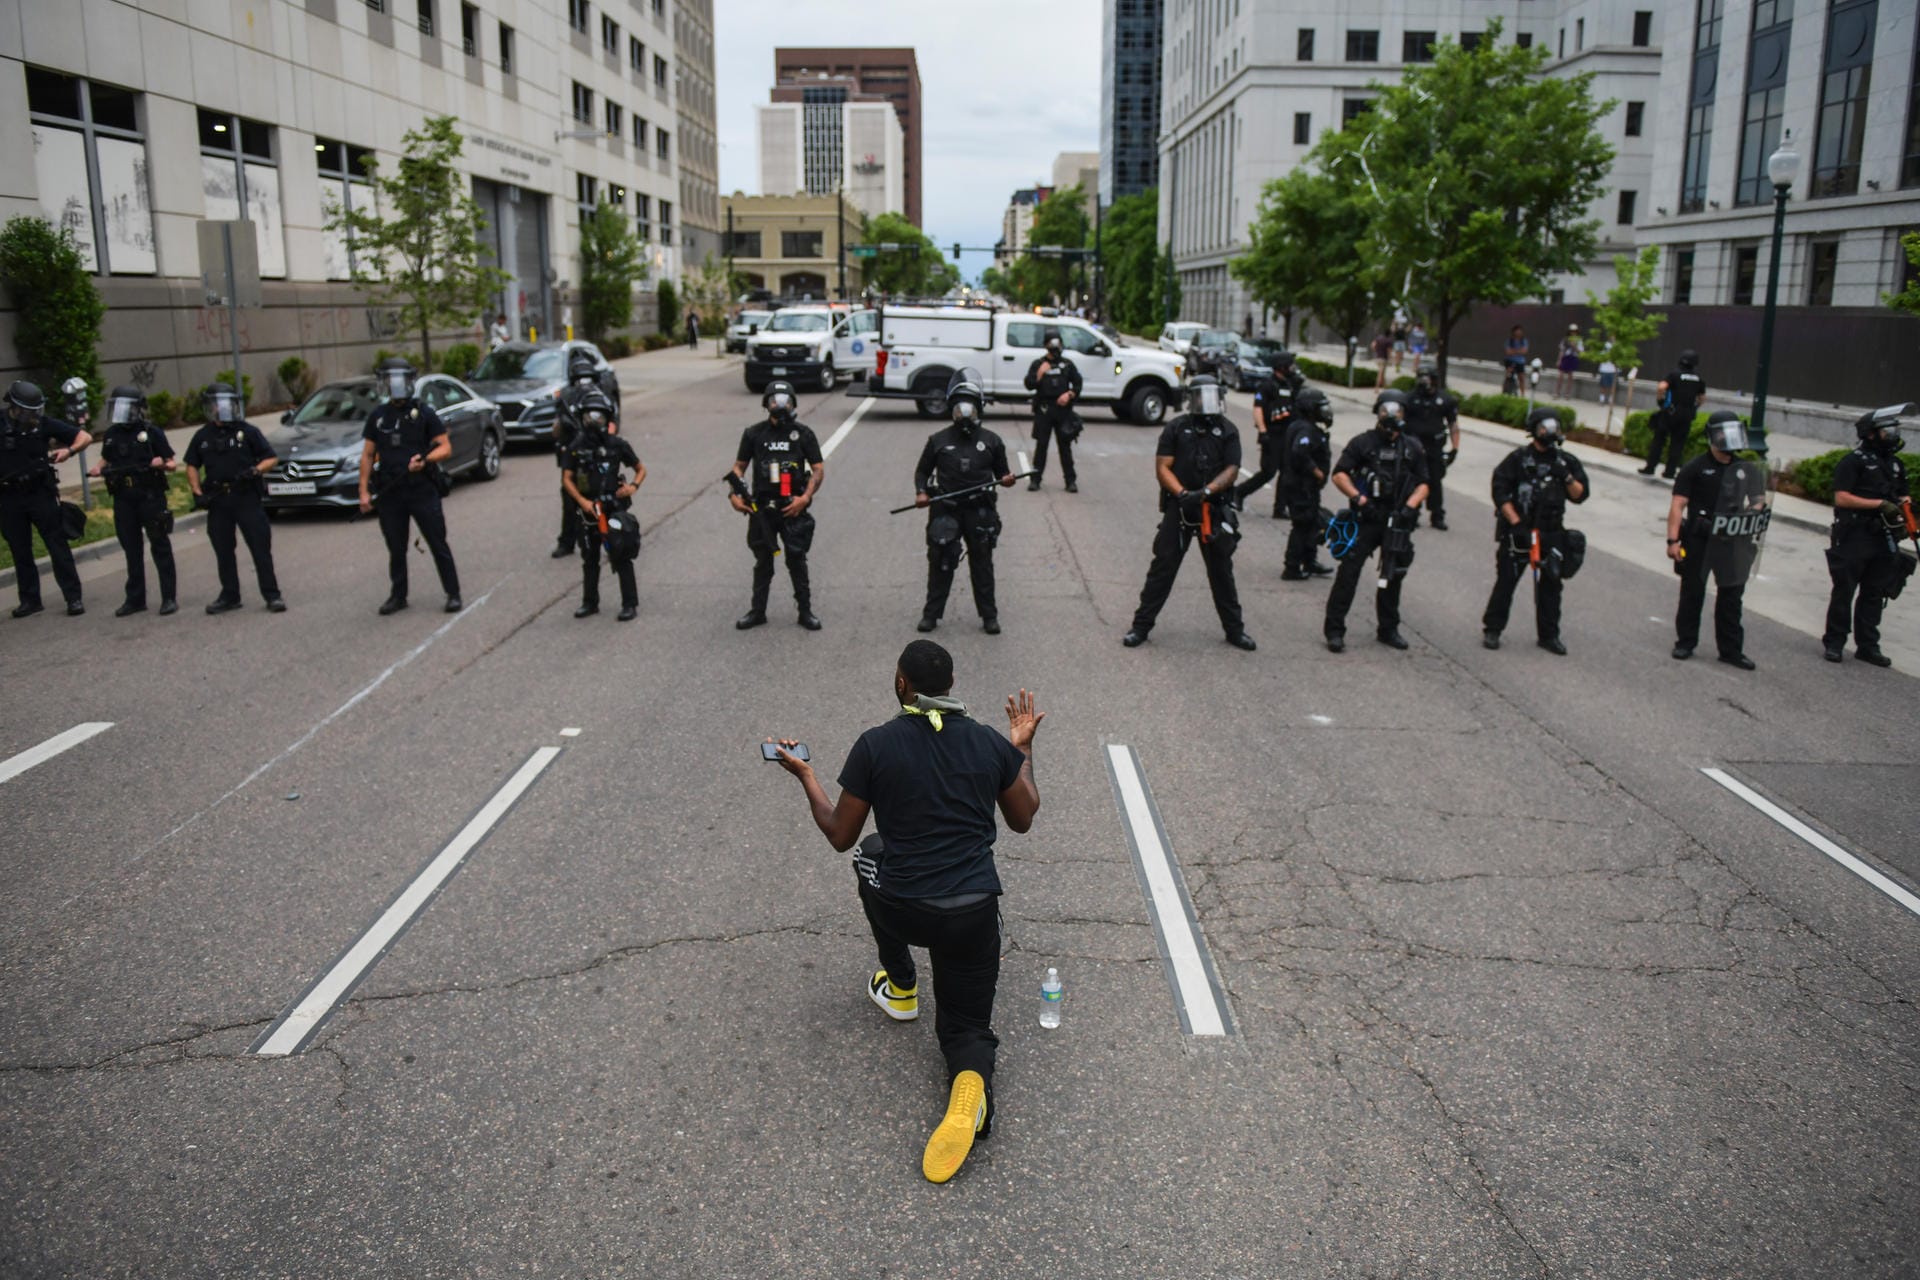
(339, 402)
(1746, 265)
(1579, 34)
(506, 49)
(1766, 99)
(1074, 338)
(743, 244)
(1302, 128)
(1303, 45)
(1469, 41)
(1363, 46)
(616, 119)
(1910, 163)
(802, 244)
(609, 35)
(643, 219)
(1642, 28)
(1353, 108)
(470, 30)
(1683, 276)
(1628, 199)
(425, 20)
(659, 72)
(660, 143)
(1417, 46)
(90, 162)
(1704, 78)
(636, 56)
(1636, 119)
(1821, 265)
(640, 132)
(577, 15)
(1845, 78)
(344, 185)
(239, 180)
(797, 322)
(1524, 40)
(1025, 333)
(582, 103)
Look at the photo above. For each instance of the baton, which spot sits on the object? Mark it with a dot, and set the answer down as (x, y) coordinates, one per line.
(959, 493)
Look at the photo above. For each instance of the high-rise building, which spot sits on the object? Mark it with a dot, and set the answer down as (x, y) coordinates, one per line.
(825, 137)
(134, 120)
(889, 74)
(1017, 221)
(699, 141)
(1081, 169)
(1129, 97)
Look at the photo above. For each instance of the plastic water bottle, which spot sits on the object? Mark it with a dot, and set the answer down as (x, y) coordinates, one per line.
(1050, 994)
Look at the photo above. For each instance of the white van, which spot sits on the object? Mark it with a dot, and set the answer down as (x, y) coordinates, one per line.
(1178, 336)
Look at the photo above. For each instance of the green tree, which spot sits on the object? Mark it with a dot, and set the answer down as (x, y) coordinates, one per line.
(709, 291)
(1908, 299)
(916, 269)
(1622, 318)
(612, 261)
(669, 307)
(1479, 174)
(57, 309)
(1060, 219)
(1136, 268)
(423, 257)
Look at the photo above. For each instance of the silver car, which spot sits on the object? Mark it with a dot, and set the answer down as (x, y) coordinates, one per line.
(319, 443)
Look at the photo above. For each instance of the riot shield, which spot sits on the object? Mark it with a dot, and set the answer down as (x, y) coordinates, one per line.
(1741, 512)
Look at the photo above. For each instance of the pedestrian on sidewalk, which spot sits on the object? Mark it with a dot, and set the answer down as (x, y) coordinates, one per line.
(1514, 361)
(1609, 376)
(932, 777)
(693, 330)
(1382, 352)
(1568, 362)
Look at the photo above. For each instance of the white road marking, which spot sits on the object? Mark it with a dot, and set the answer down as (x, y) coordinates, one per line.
(14, 766)
(569, 733)
(1202, 1008)
(309, 1012)
(853, 420)
(1320, 719)
(1021, 456)
(1818, 841)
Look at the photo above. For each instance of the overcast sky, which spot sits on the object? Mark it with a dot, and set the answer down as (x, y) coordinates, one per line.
(1005, 86)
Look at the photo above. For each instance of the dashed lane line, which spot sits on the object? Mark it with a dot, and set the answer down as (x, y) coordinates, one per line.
(1895, 891)
(14, 766)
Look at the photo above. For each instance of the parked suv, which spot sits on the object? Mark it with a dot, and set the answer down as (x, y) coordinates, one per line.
(812, 347)
(1211, 351)
(522, 378)
(1176, 336)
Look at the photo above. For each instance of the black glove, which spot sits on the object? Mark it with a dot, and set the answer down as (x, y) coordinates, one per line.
(1889, 508)
(1191, 500)
(1560, 470)
(1451, 455)
(201, 502)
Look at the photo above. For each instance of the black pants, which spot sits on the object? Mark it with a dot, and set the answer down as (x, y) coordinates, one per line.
(135, 513)
(964, 947)
(1386, 600)
(1728, 634)
(569, 522)
(1270, 460)
(240, 510)
(1669, 433)
(1169, 549)
(979, 530)
(768, 529)
(416, 501)
(1435, 447)
(1509, 567)
(1046, 426)
(21, 512)
(1864, 566)
(1304, 538)
(590, 545)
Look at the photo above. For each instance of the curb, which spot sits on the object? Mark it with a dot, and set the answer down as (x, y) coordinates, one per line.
(103, 547)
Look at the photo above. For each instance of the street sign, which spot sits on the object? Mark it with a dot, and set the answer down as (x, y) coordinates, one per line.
(242, 288)
(864, 250)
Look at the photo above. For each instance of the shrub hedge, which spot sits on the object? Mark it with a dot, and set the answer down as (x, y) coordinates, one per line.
(1814, 475)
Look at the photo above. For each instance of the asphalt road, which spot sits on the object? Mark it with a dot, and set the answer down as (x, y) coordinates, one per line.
(1512, 987)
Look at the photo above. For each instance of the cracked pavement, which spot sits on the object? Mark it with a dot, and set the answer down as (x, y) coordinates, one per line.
(1517, 991)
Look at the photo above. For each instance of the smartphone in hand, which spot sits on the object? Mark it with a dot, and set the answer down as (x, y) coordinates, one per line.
(771, 751)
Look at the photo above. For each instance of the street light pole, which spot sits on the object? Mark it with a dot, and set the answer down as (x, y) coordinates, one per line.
(1783, 166)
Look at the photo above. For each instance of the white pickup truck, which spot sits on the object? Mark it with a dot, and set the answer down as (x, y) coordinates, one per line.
(812, 347)
(922, 347)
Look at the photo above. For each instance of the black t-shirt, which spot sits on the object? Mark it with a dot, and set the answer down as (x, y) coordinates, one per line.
(1308, 450)
(1274, 399)
(1387, 471)
(953, 461)
(1525, 477)
(933, 797)
(596, 465)
(398, 433)
(227, 451)
(24, 450)
(1699, 483)
(1431, 417)
(778, 456)
(1061, 377)
(128, 450)
(1865, 473)
(1201, 448)
(1684, 390)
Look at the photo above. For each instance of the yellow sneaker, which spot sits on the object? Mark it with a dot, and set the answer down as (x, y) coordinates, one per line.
(965, 1119)
(898, 1004)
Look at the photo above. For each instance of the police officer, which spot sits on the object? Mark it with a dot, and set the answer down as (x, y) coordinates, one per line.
(30, 494)
(783, 456)
(1055, 382)
(1272, 407)
(1680, 395)
(1434, 420)
(1696, 493)
(1307, 458)
(1869, 518)
(963, 456)
(1531, 489)
(1286, 371)
(405, 442)
(583, 377)
(591, 477)
(1196, 462)
(135, 457)
(225, 460)
(1383, 473)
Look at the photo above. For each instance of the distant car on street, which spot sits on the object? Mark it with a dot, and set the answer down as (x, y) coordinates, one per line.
(522, 378)
(744, 326)
(1252, 361)
(1177, 336)
(319, 443)
(1211, 350)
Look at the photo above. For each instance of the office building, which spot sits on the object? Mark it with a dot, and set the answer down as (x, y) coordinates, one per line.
(1078, 169)
(790, 245)
(892, 75)
(825, 136)
(699, 159)
(131, 121)
(1129, 97)
(1016, 222)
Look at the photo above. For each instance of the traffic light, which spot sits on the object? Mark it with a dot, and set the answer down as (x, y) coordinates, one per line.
(956, 251)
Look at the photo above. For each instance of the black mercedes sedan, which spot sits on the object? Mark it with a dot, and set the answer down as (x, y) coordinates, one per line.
(319, 443)
(522, 379)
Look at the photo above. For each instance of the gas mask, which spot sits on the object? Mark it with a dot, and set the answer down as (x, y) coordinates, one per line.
(1423, 385)
(1053, 348)
(780, 406)
(966, 416)
(1547, 434)
(1392, 418)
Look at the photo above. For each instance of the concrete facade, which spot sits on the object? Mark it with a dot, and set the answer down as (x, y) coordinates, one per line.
(228, 99)
(1130, 33)
(826, 137)
(699, 158)
(790, 244)
(890, 74)
(1016, 222)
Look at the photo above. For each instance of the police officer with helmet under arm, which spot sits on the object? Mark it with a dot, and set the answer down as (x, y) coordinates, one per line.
(964, 456)
(405, 442)
(1434, 420)
(781, 462)
(591, 476)
(135, 457)
(30, 494)
(225, 460)
(1872, 502)
(1055, 382)
(1196, 462)
(1383, 473)
(1531, 489)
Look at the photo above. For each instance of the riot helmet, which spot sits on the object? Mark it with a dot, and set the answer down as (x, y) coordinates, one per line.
(1313, 403)
(780, 402)
(396, 377)
(965, 401)
(1281, 362)
(1209, 397)
(582, 367)
(1390, 409)
(1880, 428)
(1544, 425)
(126, 406)
(1689, 360)
(1053, 344)
(595, 413)
(25, 403)
(220, 404)
(1426, 378)
(1726, 432)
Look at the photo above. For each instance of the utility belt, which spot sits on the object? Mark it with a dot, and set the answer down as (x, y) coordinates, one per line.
(131, 480)
(249, 483)
(393, 480)
(28, 481)
(1875, 521)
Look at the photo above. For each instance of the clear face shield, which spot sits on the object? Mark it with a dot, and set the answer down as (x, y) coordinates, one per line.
(1727, 437)
(397, 383)
(1209, 400)
(223, 407)
(124, 411)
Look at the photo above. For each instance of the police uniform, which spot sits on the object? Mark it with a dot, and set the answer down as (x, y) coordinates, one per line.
(29, 500)
(566, 423)
(1430, 420)
(401, 430)
(1699, 483)
(1306, 463)
(228, 456)
(953, 460)
(780, 458)
(1863, 558)
(1273, 401)
(1535, 481)
(140, 512)
(1201, 448)
(1672, 420)
(1387, 470)
(1051, 419)
(595, 462)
